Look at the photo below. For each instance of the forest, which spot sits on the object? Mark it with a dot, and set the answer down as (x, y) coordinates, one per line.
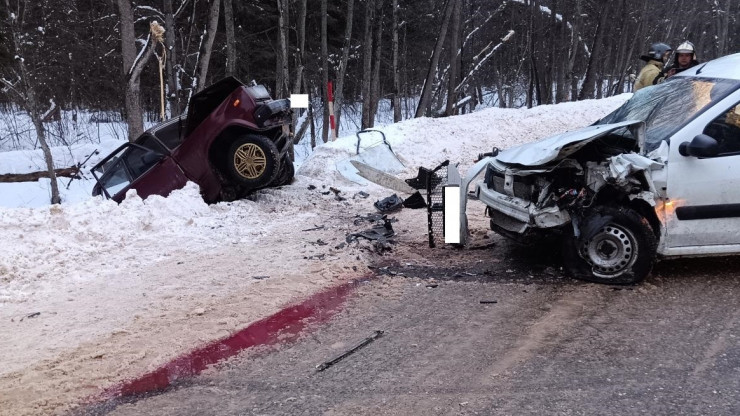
(140, 61)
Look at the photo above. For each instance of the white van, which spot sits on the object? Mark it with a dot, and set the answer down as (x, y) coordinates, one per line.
(660, 176)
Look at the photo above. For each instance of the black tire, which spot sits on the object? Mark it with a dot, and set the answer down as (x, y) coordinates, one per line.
(287, 172)
(252, 161)
(616, 246)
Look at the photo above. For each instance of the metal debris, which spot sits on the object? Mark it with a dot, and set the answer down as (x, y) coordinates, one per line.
(323, 366)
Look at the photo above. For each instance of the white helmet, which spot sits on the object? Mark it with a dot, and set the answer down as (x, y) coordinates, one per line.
(686, 47)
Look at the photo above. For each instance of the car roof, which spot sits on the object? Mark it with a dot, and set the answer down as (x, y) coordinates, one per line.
(727, 67)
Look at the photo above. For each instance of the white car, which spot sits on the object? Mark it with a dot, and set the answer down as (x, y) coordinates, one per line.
(660, 176)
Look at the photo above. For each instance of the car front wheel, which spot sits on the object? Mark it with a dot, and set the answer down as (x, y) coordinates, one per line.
(615, 246)
(252, 161)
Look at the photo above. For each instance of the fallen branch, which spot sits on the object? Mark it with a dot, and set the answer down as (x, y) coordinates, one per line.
(72, 172)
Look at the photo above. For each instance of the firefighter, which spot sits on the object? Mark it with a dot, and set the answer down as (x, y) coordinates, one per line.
(684, 59)
(655, 58)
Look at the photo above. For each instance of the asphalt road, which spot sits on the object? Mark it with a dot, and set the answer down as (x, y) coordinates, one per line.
(548, 345)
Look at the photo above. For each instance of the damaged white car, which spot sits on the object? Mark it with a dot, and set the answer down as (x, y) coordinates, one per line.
(660, 176)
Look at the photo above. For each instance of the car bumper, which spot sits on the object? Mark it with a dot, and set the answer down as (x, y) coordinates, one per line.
(518, 215)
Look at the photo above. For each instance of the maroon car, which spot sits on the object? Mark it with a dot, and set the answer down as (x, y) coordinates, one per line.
(234, 140)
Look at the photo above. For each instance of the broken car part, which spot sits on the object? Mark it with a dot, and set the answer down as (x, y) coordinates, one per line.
(323, 366)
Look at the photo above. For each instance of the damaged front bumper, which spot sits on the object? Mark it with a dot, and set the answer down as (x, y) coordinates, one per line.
(510, 215)
(524, 203)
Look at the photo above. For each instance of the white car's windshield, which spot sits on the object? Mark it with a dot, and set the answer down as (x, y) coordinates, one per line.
(666, 107)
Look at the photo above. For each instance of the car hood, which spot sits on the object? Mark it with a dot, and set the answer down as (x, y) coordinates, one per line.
(559, 146)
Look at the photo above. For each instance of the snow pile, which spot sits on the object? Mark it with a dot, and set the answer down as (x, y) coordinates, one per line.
(94, 236)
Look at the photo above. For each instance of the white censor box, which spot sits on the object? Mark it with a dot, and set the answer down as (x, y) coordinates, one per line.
(451, 205)
(298, 100)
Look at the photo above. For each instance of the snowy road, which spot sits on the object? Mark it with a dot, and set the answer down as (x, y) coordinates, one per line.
(549, 345)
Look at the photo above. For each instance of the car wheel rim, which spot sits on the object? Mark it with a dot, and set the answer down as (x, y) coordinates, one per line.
(611, 251)
(250, 161)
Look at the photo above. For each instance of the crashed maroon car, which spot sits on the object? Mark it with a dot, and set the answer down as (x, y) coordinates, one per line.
(234, 139)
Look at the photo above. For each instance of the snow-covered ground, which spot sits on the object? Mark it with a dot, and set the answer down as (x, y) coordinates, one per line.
(92, 292)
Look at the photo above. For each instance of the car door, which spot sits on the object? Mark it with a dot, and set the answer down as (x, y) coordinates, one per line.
(134, 166)
(702, 214)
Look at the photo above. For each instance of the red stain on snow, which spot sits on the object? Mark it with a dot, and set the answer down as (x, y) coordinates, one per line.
(283, 326)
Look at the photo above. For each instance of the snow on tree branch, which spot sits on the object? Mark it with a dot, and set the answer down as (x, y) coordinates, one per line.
(484, 59)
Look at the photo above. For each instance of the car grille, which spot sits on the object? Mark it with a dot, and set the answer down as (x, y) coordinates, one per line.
(523, 187)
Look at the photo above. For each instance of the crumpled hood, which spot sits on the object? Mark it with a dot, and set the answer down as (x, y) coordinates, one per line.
(557, 147)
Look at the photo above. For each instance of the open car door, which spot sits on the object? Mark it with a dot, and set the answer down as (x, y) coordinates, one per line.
(134, 166)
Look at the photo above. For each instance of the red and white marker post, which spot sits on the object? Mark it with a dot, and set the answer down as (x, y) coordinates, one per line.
(331, 112)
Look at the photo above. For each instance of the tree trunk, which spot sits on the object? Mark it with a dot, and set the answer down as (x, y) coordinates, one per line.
(230, 38)
(300, 56)
(570, 77)
(454, 59)
(396, 75)
(426, 89)
(310, 113)
(324, 72)
(173, 91)
(134, 117)
(208, 47)
(587, 91)
(367, 64)
(30, 102)
(341, 73)
(282, 87)
(723, 25)
(375, 88)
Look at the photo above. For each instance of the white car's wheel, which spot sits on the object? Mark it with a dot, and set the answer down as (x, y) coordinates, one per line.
(616, 246)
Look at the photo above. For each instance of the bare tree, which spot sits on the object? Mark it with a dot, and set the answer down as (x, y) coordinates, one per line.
(134, 117)
(300, 57)
(208, 46)
(324, 72)
(342, 71)
(455, 49)
(378, 48)
(367, 64)
(25, 91)
(396, 74)
(587, 91)
(230, 38)
(426, 89)
(723, 24)
(282, 88)
(173, 97)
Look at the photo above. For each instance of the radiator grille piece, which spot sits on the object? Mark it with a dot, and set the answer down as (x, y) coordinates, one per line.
(435, 182)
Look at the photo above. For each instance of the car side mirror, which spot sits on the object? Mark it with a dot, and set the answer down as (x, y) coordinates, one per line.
(701, 146)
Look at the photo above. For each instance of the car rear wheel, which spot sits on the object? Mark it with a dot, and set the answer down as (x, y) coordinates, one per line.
(615, 246)
(287, 172)
(252, 161)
